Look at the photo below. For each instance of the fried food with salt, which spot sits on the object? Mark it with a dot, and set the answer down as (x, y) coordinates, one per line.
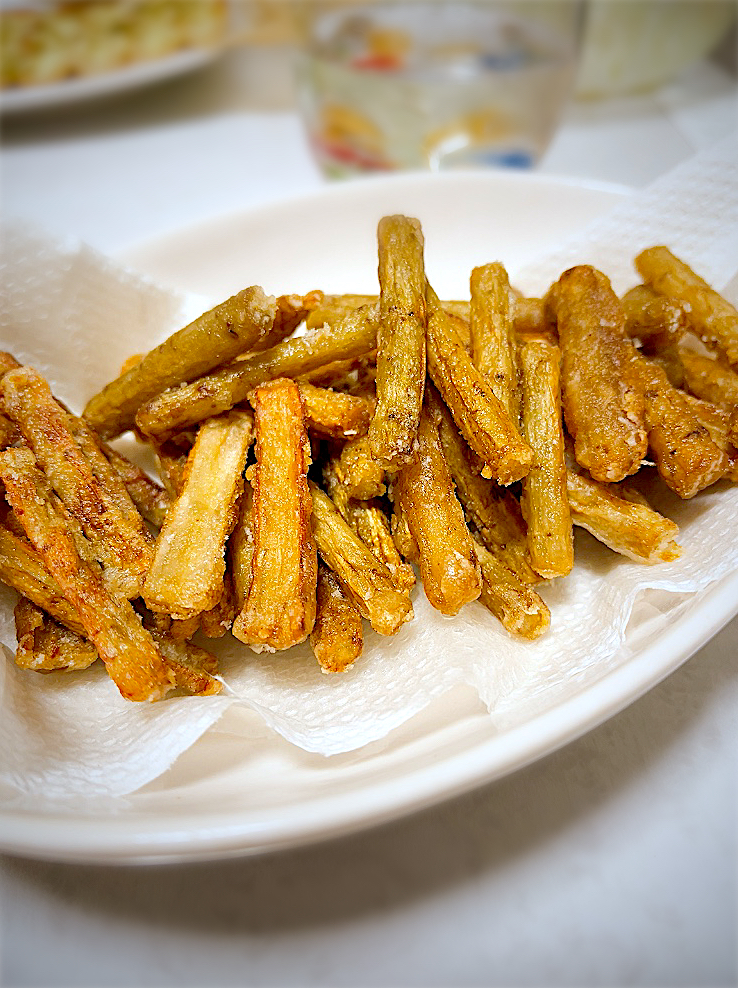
(544, 501)
(424, 491)
(217, 336)
(186, 575)
(337, 638)
(280, 604)
(366, 582)
(711, 316)
(480, 416)
(602, 397)
(178, 408)
(400, 340)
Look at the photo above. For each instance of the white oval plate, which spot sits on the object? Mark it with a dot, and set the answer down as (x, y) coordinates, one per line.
(229, 797)
(66, 92)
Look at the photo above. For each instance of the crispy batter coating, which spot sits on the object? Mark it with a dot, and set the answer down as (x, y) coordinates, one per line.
(335, 414)
(177, 408)
(685, 454)
(44, 645)
(709, 379)
(127, 649)
(151, 500)
(493, 343)
(602, 398)
(186, 575)
(400, 340)
(369, 520)
(493, 511)
(280, 605)
(628, 526)
(337, 638)
(544, 501)
(424, 491)
(518, 607)
(90, 489)
(363, 579)
(711, 316)
(358, 472)
(483, 421)
(232, 327)
(22, 567)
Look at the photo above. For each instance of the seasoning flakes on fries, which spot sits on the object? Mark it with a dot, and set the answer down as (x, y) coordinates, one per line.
(316, 452)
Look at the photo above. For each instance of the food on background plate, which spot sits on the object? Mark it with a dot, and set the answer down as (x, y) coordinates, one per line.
(314, 451)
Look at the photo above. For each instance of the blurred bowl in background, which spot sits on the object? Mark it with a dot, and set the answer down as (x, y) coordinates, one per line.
(635, 45)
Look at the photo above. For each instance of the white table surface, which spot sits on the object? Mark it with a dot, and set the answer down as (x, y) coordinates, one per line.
(611, 862)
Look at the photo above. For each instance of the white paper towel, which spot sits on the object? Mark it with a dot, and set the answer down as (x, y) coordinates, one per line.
(74, 314)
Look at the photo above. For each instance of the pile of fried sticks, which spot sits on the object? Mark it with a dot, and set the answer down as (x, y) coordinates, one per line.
(315, 450)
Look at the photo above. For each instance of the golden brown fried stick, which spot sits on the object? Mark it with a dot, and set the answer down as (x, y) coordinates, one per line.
(709, 379)
(151, 500)
(685, 455)
(127, 649)
(370, 522)
(240, 549)
(659, 325)
(364, 580)
(603, 401)
(424, 492)
(493, 344)
(180, 407)
(400, 340)
(335, 414)
(215, 622)
(531, 320)
(291, 310)
(23, 569)
(186, 575)
(627, 526)
(358, 472)
(235, 326)
(280, 605)
(520, 610)
(490, 509)
(716, 420)
(90, 490)
(544, 502)
(337, 638)
(479, 415)
(711, 316)
(44, 645)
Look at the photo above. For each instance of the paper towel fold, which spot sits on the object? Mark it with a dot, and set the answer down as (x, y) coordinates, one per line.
(75, 316)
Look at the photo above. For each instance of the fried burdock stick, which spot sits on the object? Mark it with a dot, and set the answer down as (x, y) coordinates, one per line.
(544, 501)
(186, 576)
(280, 604)
(217, 336)
(424, 493)
(178, 408)
(602, 397)
(337, 638)
(366, 582)
(481, 418)
(400, 340)
(130, 655)
(711, 316)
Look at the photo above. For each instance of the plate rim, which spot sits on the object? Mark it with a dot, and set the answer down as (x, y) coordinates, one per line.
(83, 841)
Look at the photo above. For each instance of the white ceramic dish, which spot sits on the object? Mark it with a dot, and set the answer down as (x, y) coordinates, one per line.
(226, 797)
(27, 99)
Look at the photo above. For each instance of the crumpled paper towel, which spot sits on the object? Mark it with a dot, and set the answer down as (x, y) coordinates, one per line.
(73, 736)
